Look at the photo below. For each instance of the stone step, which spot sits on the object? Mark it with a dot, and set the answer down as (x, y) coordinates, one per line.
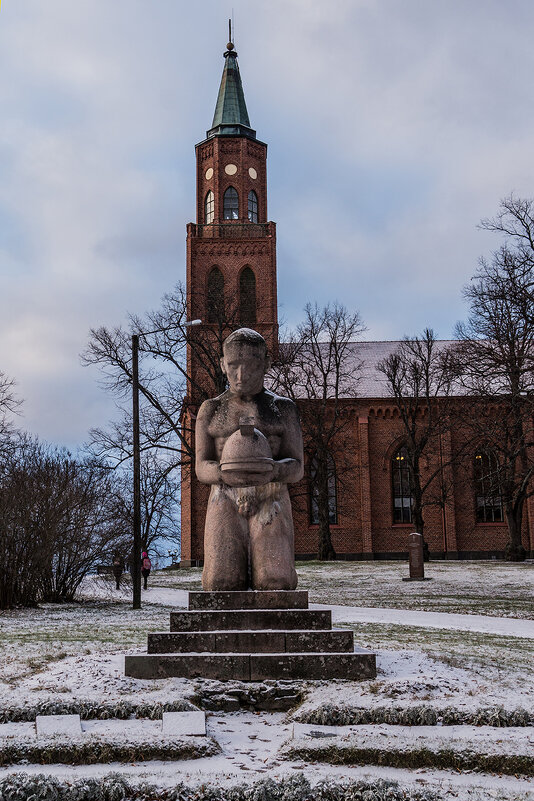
(337, 640)
(231, 620)
(249, 599)
(355, 666)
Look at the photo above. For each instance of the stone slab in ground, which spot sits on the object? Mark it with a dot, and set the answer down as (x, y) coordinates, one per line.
(58, 725)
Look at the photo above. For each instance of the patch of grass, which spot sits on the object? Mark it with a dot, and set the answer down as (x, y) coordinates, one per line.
(89, 709)
(33, 639)
(414, 715)
(286, 788)
(457, 587)
(464, 649)
(103, 750)
(413, 758)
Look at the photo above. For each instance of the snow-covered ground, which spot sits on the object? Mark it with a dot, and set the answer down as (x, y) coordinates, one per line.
(460, 658)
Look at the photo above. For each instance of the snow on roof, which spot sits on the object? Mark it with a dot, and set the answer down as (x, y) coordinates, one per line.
(367, 355)
(373, 384)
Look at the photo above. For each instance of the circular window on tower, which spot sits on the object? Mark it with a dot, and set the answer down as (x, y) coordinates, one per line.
(230, 169)
(209, 173)
(252, 172)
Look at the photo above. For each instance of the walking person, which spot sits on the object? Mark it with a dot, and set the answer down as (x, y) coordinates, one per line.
(146, 566)
(118, 568)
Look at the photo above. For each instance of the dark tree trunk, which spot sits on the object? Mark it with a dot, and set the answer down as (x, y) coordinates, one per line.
(514, 551)
(417, 508)
(325, 549)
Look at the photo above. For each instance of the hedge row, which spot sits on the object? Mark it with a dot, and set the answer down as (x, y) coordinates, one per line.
(20, 787)
(103, 750)
(93, 710)
(332, 715)
(441, 758)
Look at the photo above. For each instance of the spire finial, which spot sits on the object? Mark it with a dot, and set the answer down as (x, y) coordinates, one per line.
(230, 45)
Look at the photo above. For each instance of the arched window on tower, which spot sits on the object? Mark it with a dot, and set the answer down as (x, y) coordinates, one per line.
(209, 208)
(488, 493)
(247, 298)
(253, 206)
(230, 204)
(402, 494)
(215, 299)
(314, 490)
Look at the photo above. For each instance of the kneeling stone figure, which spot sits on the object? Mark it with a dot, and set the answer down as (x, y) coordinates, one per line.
(248, 447)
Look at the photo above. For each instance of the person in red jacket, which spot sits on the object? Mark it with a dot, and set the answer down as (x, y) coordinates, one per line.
(146, 566)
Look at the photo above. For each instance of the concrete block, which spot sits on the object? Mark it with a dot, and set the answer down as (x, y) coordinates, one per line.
(164, 642)
(354, 666)
(259, 642)
(231, 620)
(58, 726)
(338, 640)
(249, 599)
(178, 724)
(191, 666)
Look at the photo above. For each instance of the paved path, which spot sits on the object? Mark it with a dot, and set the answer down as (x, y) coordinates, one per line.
(506, 626)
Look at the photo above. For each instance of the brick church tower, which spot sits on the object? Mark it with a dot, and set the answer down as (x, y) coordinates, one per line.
(231, 266)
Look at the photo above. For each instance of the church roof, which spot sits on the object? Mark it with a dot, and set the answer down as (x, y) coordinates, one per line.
(373, 383)
(231, 115)
(365, 357)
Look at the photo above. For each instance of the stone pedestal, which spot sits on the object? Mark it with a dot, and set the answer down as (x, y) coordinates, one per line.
(252, 636)
(416, 557)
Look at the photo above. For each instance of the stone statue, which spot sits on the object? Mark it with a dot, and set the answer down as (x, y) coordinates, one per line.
(248, 447)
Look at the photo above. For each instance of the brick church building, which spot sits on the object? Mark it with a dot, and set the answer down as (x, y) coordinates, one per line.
(231, 265)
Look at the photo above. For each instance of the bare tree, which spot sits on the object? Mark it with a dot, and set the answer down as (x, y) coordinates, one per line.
(495, 361)
(317, 369)
(170, 384)
(58, 517)
(159, 504)
(165, 381)
(9, 405)
(419, 379)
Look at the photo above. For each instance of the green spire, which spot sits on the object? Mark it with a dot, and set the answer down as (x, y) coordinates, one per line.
(231, 115)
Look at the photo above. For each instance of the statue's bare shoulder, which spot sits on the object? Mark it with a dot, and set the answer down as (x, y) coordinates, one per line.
(285, 406)
(210, 407)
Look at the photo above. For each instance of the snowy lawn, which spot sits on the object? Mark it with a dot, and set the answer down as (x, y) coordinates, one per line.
(479, 655)
(476, 588)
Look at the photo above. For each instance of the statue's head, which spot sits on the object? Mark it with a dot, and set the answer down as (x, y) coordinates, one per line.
(245, 361)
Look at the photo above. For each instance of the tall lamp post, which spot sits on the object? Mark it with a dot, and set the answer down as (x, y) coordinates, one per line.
(136, 562)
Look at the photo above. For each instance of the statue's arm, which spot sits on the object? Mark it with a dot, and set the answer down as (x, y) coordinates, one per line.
(207, 466)
(290, 468)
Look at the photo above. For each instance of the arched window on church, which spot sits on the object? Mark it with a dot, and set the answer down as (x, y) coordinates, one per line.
(209, 208)
(402, 494)
(253, 206)
(247, 298)
(314, 490)
(215, 299)
(488, 493)
(230, 204)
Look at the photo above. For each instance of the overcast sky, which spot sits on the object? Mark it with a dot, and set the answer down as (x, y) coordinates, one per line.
(393, 127)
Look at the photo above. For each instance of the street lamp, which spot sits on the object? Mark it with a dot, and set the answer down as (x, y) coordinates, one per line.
(136, 563)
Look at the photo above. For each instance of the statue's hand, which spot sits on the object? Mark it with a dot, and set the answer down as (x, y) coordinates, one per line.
(247, 478)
